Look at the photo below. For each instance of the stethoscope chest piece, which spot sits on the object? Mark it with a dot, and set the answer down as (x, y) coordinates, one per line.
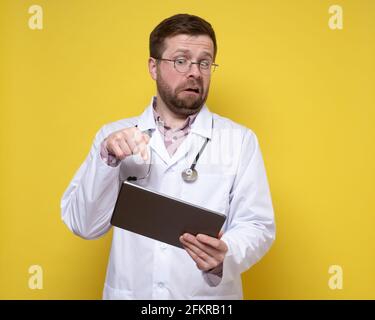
(189, 175)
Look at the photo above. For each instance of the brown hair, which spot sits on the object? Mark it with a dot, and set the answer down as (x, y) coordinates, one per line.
(179, 24)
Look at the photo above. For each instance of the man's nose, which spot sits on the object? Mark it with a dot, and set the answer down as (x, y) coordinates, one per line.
(194, 71)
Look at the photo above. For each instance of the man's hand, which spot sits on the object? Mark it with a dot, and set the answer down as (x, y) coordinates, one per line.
(126, 142)
(207, 252)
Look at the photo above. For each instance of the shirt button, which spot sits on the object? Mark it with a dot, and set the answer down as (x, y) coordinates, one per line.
(161, 284)
(163, 246)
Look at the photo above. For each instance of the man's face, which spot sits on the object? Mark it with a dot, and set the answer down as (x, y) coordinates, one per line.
(183, 93)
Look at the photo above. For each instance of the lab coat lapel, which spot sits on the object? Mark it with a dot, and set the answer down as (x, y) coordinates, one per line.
(201, 128)
(182, 150)
(157, 144)
(146, 121)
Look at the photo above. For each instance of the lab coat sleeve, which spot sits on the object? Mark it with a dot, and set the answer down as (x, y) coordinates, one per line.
(88, 202)
(250, 229)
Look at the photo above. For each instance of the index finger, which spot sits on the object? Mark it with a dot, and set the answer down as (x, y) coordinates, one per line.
(211, 241)
(144, 152)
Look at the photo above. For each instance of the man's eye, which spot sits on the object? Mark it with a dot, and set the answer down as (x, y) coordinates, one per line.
(181, 61)
(205, 64)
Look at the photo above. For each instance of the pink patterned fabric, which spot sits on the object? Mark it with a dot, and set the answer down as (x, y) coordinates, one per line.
(173, 137)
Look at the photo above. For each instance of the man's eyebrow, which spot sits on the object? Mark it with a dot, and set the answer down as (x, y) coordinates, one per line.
(181, 50)
(205, 53)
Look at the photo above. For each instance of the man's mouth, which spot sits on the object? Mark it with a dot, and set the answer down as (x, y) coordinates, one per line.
(192, 90)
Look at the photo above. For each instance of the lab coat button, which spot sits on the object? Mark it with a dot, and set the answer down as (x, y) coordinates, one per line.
(161, 285)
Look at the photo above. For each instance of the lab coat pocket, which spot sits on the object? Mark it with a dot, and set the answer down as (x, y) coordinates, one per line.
(110, 293)
(211, 191)
(223, 291)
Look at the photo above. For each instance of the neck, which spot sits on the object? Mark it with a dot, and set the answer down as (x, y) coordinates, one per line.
(170, 118)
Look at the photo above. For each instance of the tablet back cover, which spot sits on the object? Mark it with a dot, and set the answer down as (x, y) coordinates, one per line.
(161, 217)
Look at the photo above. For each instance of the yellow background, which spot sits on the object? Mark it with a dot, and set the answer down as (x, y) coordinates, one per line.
(306, 90)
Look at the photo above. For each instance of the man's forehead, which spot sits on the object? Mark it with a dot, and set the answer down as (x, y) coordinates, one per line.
(185, 42)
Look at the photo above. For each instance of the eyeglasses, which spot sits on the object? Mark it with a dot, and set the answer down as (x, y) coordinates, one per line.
(183, 65)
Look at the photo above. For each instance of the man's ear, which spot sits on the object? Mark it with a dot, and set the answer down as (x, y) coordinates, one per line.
(152, 67)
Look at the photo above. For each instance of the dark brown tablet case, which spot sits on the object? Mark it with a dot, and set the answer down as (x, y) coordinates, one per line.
(161, 217)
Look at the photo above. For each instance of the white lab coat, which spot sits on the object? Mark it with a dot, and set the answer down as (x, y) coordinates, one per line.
(232, 180)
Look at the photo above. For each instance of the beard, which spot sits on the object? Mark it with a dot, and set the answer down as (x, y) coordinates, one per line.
(179, 102)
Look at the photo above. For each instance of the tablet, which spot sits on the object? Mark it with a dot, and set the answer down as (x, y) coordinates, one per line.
(161, 217)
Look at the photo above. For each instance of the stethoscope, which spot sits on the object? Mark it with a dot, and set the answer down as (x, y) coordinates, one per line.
(189, 175)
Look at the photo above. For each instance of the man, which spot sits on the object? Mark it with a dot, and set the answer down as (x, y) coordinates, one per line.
(231, 180)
